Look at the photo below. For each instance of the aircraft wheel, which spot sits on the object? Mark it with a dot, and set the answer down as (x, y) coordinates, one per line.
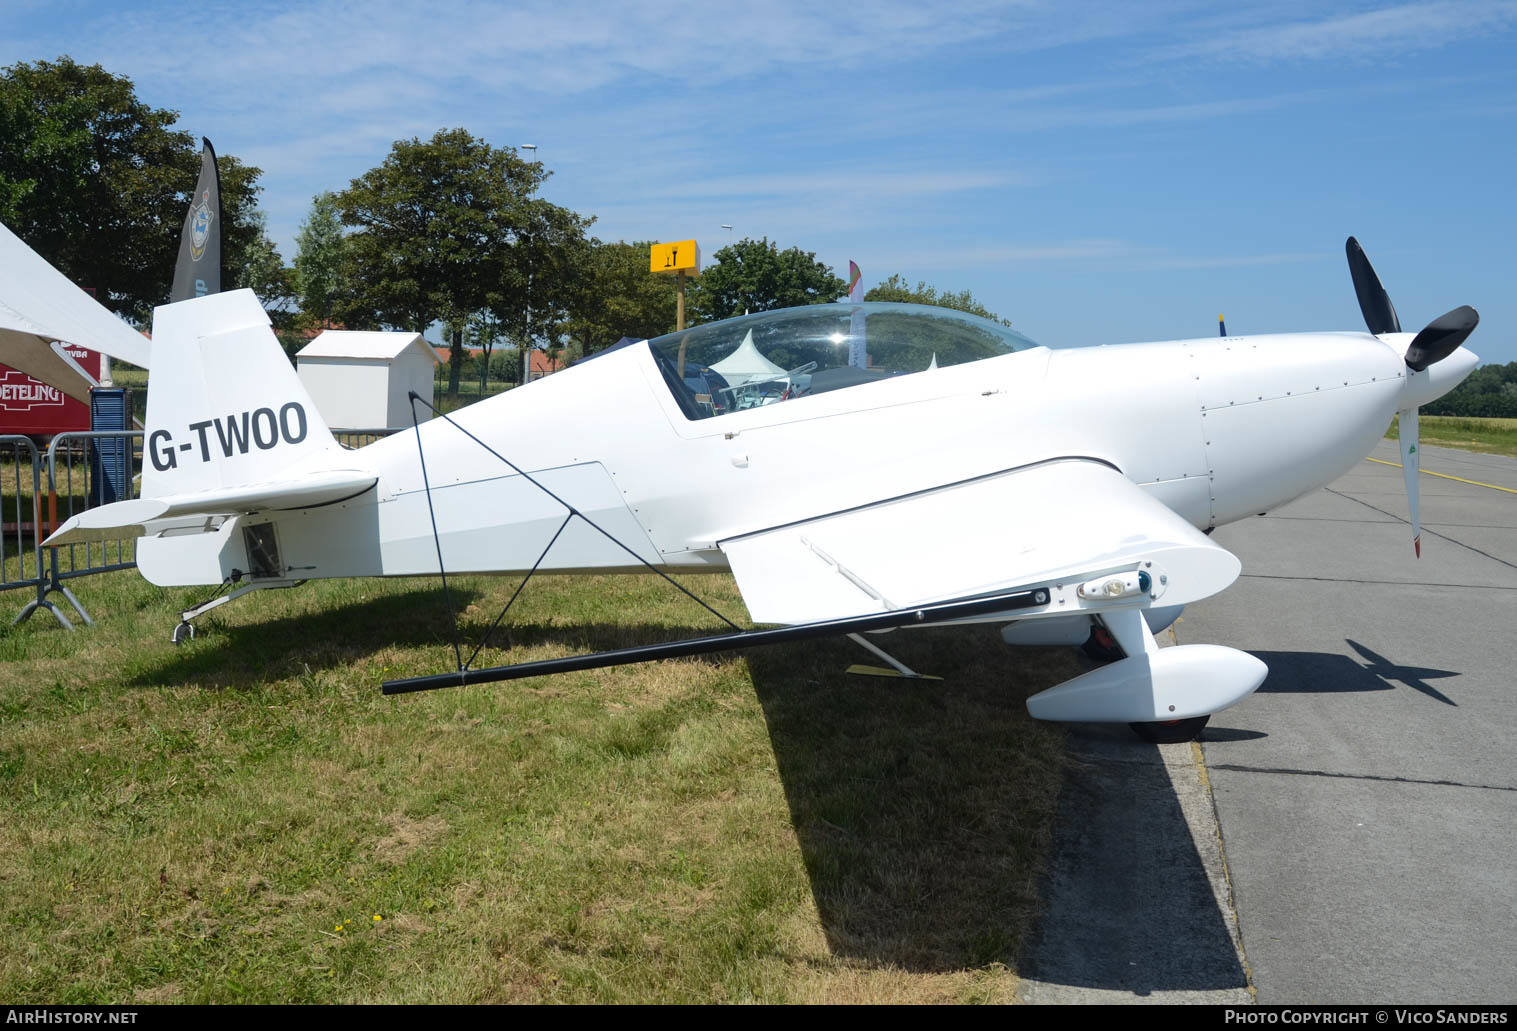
(1102, 646)
(1169, 732)
(183, 632)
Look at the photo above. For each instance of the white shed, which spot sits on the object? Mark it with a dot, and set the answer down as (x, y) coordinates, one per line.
(360, 380)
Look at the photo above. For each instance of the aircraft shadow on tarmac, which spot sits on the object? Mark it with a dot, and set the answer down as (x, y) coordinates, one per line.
(1330, 673)
(1218, 734)
(1130, 906)
(911, 806)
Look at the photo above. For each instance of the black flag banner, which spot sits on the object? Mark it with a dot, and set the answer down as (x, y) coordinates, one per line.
(198, 270)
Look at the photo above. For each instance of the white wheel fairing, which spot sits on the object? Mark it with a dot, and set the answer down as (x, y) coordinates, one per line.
(1172, 683)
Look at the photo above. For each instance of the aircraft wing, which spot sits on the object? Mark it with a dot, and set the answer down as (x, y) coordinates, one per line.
(1056, 523)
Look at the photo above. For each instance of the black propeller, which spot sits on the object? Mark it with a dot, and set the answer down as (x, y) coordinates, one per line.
(1374, 302)
(1441, 337)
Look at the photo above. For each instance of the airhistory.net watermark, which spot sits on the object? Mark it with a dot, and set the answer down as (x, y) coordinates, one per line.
(38, 1015)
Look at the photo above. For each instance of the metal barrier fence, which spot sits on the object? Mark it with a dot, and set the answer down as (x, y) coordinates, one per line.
(86, 469)
(21, 524)
(82, 470)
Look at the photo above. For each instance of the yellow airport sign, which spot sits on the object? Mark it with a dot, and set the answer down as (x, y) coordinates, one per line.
(684, 256)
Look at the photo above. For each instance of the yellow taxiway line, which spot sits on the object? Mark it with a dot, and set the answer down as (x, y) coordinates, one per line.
(1446, 476)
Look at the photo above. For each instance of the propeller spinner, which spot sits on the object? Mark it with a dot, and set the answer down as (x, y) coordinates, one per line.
(1439, 339)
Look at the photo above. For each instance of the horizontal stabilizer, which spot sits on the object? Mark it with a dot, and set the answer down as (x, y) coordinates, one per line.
(129, 518)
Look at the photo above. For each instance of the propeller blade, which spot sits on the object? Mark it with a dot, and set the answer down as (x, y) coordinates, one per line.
(1441, 337)
(1411, 465)
(1374, 302)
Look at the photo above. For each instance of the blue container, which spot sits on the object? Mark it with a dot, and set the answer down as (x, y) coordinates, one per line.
(111, 458)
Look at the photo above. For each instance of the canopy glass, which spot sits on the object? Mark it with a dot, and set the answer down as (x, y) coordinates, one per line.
(775, 356)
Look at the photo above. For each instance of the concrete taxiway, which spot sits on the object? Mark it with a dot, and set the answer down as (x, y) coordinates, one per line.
(1363, 804)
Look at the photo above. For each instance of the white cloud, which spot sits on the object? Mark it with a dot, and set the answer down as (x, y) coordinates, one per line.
(1242, 261)
(1111, 117)
(569, 46)
(977, 254)
(842, 183)
(1401, 29)
(881, 132)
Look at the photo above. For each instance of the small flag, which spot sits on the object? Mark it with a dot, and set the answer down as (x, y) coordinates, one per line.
(858, 355)
(198, 270)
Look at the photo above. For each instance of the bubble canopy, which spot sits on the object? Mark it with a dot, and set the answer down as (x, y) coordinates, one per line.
(776, 356)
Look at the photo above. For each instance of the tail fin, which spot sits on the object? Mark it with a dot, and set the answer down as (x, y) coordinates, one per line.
(225, 406)
(231, 429)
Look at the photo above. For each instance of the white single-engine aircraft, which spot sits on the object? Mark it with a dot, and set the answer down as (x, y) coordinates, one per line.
(961, 473)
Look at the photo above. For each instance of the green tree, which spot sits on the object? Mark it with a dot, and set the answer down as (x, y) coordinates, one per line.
(253, 262)
(617, 296)
(895, 289)
(1489, 392)
(449, 227)
(485, 331)
(97, 182)
(552, 258)
(318, 259)
(755, 275)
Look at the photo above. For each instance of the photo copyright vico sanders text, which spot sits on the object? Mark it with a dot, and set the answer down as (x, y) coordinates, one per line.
(1388, 1015)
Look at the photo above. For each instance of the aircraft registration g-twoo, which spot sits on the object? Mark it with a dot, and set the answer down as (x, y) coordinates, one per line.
(958, 472)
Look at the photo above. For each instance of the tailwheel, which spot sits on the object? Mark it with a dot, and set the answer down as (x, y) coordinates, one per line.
(1169, 732)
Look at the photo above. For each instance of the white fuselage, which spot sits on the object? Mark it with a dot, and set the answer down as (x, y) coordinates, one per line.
(1216, 429)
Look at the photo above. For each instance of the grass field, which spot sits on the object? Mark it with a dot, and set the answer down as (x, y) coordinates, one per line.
(247, 819)
(1487, 436)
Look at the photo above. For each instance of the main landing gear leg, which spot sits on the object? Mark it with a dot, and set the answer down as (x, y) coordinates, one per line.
(1126, 632)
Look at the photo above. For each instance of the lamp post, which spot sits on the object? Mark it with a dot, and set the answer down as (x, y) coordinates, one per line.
(526, 349)
(729, 233)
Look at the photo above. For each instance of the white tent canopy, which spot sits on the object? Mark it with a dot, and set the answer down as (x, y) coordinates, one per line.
(746, 364)
(39, 305)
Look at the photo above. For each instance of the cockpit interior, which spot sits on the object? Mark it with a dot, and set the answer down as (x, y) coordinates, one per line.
(770, 357)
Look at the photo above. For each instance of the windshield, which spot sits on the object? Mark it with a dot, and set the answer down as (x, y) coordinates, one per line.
(775, 356)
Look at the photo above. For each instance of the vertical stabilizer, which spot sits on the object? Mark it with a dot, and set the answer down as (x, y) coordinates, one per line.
(225, 407)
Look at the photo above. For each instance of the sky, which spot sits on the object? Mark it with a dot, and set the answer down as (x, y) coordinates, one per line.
(1096, 172)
